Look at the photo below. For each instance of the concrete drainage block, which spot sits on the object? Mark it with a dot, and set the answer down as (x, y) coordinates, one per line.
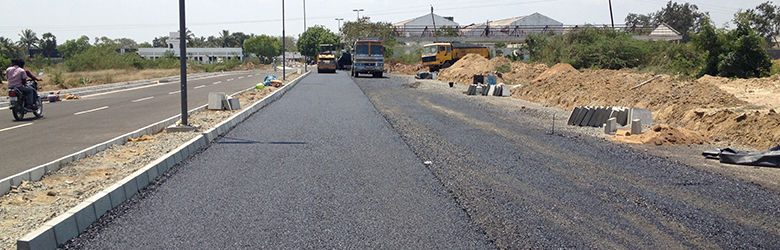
(216, 100)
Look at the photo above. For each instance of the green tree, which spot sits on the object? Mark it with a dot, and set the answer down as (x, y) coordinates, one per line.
(126, 43)
(309, 42)
(684, 18)
(765, 19)
(48, 43)
(447, 31)
(365, 28)
(289, 43)
(263, 46)
(160, 42)
(28, 39)
(145, 45)
(239, 38)
(74, 47)
(735, 53)
(225, 40)
(8, 49)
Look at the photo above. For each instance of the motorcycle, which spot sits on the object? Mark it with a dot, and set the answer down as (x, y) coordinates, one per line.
(18, 104)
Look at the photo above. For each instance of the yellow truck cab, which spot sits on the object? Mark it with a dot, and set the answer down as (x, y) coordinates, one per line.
(442, 55)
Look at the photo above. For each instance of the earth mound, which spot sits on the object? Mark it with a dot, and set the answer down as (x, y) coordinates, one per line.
(662, 134)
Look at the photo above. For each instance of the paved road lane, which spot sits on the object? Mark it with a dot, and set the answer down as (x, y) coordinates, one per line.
(318, 169)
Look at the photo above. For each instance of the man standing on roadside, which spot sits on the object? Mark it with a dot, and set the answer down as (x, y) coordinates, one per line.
(274, 63)
(16, 78)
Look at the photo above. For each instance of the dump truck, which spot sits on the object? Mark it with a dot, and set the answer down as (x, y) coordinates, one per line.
(442, 55)
(326, 60)
(368, 57)
(345, 61)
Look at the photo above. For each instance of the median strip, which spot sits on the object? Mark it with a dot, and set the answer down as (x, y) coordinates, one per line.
(14, 127)
(143, 99)
(91, 110)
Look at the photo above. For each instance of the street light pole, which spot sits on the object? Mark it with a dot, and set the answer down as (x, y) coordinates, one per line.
(183, 62)
(339, 19)
(610, 14)
(305, 62)
(358, 13)
(284, 43)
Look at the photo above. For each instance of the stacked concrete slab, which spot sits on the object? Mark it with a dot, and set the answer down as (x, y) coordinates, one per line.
(598, 116)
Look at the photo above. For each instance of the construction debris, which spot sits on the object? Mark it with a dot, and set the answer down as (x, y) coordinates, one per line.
(142, 138)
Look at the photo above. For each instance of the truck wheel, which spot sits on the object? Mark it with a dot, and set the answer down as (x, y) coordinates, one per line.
(378, 75)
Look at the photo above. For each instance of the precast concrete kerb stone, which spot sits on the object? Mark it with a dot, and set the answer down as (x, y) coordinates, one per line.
(71, 223)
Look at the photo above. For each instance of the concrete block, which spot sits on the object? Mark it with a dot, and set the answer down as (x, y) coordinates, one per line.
(234, 104)
(644, 115)
(142, 180)
(177, 157)
(91, 151)
(5, 186)
(116, 193)
(573, 116)
(594, 120)
(478, 90)
(610, 127)
(588, 116)
(581, 115)
(102, 203)
(41, 238)
(622, 117)
(53, 166)
(17, 179)
(485, 90)
(162, 167)
(65, 227)
(215, 100)
(37, 173)
(636, 127)
(130, 186)
(101, 147)
(491, 90)
(603, 116)
(85, 215)
(152, 173)
(67, 159)
(170, 162)
(507, 91)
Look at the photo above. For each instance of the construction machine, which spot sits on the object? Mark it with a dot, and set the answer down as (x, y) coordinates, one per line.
(442, 55)
(326, 60)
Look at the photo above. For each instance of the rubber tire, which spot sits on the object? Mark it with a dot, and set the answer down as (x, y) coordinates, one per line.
(354, 74)
(18, 112)
(378, 75)
(38, 113)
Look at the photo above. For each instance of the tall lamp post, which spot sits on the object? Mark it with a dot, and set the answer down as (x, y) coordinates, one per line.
(284, 43)
(358, 13)
(183, 62)
(305, 62)
(339, 19)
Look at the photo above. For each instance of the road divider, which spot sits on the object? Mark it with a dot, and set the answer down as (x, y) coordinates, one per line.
(15, 127)
(73, 222)
(143, 99)
(91, 110)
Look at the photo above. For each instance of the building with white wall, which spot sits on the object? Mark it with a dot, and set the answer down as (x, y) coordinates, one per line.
(203, 55)
(423, 26)
(514, 27)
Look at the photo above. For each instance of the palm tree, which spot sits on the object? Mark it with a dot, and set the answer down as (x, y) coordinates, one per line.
(28, 39)
(225, 39)
(7, 48)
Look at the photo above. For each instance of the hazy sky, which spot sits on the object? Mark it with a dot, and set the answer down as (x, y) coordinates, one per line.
(142, 20)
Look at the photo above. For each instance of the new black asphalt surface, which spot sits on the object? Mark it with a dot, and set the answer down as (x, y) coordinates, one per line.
(318, 169)
(64, 129)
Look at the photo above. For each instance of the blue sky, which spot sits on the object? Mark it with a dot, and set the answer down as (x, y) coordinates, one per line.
(142, 20)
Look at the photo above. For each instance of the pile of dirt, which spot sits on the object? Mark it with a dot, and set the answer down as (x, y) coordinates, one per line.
(400, 68)
(664, 135)
(463, 70)
(557, 69)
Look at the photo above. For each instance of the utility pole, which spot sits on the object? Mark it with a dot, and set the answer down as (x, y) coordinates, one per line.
(183, 62)
(305, 62)
(434, 25)
(339, 20)
(610, 14)
(358, 13)
(284, 43)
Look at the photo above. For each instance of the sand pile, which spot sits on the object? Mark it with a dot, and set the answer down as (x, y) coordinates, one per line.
(463, 70)
(557, 69)
(401, 68)
(664, 135)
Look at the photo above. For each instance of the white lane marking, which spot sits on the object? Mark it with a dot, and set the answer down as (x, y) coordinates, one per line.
(249, 76)
(230, 79)
(240, 77)
(201, 86)
(215, 83)
(143, 99)
(174, 92)
(6, 129)
(91, 110)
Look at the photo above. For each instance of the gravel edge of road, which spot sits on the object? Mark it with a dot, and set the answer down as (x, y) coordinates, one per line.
(77, 219)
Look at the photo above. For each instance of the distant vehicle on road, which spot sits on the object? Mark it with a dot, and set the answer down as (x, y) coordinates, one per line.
(369, 56)
(326, 60)
(345, 61)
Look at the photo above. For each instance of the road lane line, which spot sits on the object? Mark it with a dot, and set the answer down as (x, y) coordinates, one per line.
(230, 79)
(215, 83)
(6, 129)
(249, 76)
(174, 92)
(143, 99)
(201, 86)
(91, 110)
(240, 77)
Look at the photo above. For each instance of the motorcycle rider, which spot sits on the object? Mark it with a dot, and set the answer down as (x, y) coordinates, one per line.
(17, 77)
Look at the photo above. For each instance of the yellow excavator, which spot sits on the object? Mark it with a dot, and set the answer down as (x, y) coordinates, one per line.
(326, 60)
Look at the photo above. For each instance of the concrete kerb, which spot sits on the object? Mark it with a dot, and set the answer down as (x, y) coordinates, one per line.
(70, 224)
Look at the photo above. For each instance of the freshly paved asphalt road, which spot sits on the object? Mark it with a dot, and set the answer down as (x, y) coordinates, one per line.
(318, 169)
(63, 130)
